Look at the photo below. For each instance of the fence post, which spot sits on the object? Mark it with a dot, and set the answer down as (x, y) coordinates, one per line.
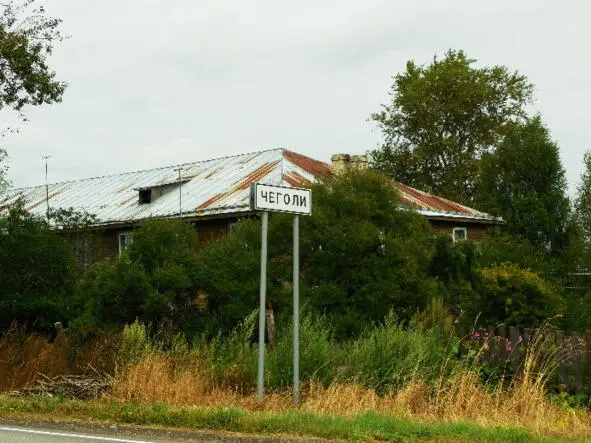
(562, 364)
(577, 362)
(515, 354)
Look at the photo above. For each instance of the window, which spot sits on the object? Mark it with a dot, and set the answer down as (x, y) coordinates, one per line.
(125, 240)
(460, 234)
(145, 196)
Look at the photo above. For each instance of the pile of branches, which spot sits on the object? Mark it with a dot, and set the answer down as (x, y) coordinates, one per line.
(80, 387)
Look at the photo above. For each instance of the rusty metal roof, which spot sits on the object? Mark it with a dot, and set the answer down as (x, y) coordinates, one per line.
(211, 187)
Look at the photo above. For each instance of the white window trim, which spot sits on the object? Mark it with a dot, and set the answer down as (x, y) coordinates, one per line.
(129, 235)
(459, 228)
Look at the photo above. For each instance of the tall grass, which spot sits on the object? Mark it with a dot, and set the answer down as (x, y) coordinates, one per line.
(391, 369)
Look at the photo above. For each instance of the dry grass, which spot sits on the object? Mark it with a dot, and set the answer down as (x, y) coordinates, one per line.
(23, 356)
(162, 377)
(522, 403)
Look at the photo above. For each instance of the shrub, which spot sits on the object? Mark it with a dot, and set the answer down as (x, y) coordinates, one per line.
(37, 272)
(512, 295)
(154, 282)
(386, 357)
(319, 355)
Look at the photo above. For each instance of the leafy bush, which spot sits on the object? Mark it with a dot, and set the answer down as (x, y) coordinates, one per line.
(386, 357)
(512, 295)
(231, 357)
(37, 272)
(319, 355)
(135, 345)
(361, 256)
(154, 282)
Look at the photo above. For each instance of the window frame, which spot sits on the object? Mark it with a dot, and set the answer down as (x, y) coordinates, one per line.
(128, 236)
(462, 229)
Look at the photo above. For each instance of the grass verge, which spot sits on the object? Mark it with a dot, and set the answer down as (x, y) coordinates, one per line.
(364, 426)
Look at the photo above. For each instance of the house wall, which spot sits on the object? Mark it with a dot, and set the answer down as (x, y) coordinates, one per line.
(213, 229)
(476, 231)
(207, 231)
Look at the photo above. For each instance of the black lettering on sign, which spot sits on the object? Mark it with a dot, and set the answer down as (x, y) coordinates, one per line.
(279, 194)
(271, 197)
(286, 199)
(263, 195)
(302, 200)
(295, 201)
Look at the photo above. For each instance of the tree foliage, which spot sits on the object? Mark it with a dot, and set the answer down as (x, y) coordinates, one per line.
(514, 296)
(155, 281)
(524, 182)
(27, 37)
(360, 256)
(583, 200)
(36, 270)
(442, 118)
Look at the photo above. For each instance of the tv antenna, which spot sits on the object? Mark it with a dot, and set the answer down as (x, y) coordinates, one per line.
(179, 169)
(45, 158)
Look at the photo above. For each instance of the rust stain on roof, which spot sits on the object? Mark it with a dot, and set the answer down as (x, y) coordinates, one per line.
(314, 167)
(414, 197)
(39, 203)
(212, 173)
(211, 201)
(296, 180)
(128, 200)
(241, 185)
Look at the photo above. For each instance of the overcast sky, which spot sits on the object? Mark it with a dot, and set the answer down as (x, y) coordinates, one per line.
(155, 82)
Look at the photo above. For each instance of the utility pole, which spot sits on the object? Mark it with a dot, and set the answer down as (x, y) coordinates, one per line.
(45, 157)
(180, 193)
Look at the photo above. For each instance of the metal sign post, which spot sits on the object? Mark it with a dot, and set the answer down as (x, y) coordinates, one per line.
(263, 295)
(296, 310)
(297, 201)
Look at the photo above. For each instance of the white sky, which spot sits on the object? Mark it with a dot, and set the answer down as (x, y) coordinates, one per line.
(155, 82)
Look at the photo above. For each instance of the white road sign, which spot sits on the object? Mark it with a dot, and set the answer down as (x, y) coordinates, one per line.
(281, 199)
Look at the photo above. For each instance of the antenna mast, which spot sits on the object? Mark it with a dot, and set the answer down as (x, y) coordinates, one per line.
(180, 193)
(45, 157)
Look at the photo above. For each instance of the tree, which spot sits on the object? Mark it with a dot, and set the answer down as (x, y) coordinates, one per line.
(361, 256)
(27, 37)
(442, 118)
(155, 281)
(37, 272)
(524, 182)
(583, 200)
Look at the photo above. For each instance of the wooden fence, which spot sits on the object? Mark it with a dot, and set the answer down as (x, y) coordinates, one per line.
(570, 354)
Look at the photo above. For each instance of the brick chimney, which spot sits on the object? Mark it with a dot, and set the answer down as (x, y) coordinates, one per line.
(359, 162)
(342, 163)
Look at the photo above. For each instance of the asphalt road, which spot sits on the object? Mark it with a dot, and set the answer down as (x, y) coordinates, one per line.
(24, 431)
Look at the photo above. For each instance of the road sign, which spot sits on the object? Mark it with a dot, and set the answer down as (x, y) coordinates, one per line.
(296, 201)
(281, 199)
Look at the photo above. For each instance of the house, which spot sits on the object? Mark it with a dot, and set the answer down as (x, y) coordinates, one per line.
(215, 193)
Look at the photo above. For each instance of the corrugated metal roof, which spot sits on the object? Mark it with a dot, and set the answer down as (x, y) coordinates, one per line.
(218, 186)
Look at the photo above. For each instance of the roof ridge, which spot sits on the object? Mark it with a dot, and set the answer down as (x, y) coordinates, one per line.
(148, 169)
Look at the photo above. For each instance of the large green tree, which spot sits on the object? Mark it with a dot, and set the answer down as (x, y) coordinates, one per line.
(583, 199)
(154, 281)
(361, 256)
(442, 118)
(37, 272)
(524, 182)
(27, 36)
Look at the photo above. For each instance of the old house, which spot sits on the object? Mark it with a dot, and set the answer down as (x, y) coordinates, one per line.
(213, 194)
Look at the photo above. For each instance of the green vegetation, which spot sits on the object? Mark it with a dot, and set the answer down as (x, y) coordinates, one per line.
(37, 272)
(364, 427)
(442, 118)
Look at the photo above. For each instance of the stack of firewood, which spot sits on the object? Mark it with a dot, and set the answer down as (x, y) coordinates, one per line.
(81, 387)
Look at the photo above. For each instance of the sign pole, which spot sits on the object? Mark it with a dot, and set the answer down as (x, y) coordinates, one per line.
(296, 310)
(263, 293)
